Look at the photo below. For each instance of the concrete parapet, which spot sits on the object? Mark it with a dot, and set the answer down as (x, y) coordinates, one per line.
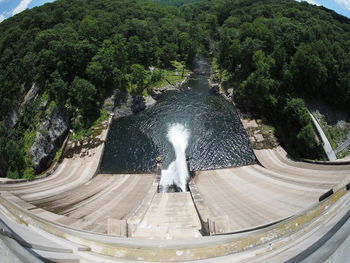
(103, 138)
(117, 227)
(218, 225)
(342, 185)
(202, 210)
(138, 214)
(211, 224)
(325, 162)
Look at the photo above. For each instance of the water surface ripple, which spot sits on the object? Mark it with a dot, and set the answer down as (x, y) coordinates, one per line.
(218, 139)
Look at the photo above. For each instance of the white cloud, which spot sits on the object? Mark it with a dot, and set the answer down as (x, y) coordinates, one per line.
(4, 15)
(2, 18)
(313, 2)
(21, 7)
(344, 3)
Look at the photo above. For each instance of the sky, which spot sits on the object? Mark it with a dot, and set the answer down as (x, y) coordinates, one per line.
(339, 6)
(9, 8)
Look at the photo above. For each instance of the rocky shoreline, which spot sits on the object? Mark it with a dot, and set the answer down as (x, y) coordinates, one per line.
(260, 135)
(122, 104)
(216, 88)
(118, 105)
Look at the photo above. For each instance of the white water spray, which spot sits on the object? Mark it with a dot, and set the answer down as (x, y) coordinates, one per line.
(177, 172)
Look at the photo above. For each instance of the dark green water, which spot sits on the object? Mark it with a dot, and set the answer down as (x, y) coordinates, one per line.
(217, 137)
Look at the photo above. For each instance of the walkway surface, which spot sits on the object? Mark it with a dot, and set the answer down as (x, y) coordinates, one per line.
(256, 195)
(7, 255)
(326, 145)
(170, 216)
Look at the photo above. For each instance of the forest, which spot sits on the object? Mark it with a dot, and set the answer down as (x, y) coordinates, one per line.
(276, 54)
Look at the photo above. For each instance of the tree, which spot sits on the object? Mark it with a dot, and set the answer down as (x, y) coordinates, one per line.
(139, 76)
(58, 88)
(306, 137)
(89, 28)
(309, 74)
(298, 124)
(296, 114)
(95, 73)
(259, 87)
(84, 99)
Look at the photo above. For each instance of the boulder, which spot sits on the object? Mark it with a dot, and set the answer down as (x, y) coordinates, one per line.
(123, 107)
(214, 89)
(111, 101)
(229, 93)
(49, 138)
(157, 93)
(132, 105)
(141, 103)
(138, 104)
(149, 101)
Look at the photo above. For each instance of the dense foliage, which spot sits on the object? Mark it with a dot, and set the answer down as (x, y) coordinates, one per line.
(279, 53)
(280, 50)
(97, 41)
(77, 51)
(276, 53)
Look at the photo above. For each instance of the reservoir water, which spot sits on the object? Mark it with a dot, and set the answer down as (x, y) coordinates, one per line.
(217, 137)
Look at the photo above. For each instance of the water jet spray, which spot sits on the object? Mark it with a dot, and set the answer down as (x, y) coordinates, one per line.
(177, 172)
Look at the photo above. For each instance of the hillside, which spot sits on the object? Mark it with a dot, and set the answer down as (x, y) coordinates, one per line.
(76, 52)
(60, 61)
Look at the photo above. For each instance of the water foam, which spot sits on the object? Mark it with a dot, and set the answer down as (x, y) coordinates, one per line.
(177, 172)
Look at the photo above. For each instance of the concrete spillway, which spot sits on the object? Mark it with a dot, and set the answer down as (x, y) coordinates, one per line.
(258, 213)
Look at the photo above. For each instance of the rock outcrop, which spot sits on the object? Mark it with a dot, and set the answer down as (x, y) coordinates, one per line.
(123, 105)
(49, 138)
(126, 104)
(28, 101)
(216, 88)
(157, 93)
(141, 103)
(132, 104)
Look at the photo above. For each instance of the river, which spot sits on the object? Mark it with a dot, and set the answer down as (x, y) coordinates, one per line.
(217, 138)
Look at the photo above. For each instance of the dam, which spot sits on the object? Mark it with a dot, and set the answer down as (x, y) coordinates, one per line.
(262, 207)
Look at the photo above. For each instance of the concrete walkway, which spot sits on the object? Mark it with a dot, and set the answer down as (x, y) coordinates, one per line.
(7, 255)
(326, 145)
(170, 216)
